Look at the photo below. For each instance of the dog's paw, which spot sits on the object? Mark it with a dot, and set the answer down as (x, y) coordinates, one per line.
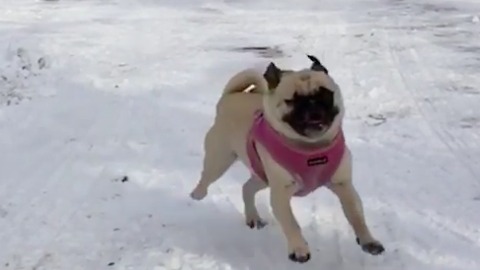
(256, 222)
(299, 257)
(372, 247)
(300, 254)
(198, 193)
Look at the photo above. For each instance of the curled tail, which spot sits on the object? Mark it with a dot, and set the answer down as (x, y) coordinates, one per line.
(246, 80)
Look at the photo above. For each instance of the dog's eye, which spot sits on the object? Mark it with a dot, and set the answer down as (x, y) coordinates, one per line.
(289, 102)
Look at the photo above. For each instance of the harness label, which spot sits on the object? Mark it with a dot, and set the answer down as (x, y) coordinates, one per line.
(317, 161)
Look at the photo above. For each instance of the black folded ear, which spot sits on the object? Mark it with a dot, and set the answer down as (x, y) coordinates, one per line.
(272, 75)
(316, 65)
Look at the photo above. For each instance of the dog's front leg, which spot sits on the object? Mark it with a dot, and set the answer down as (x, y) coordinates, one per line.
(280, 198)
(343, 187)
(282, 188)
(353, 210)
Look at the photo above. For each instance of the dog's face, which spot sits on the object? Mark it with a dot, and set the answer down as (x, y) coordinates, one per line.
(302, 103)
(310, 113)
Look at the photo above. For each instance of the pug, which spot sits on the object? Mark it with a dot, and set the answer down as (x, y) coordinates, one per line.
(285, 126)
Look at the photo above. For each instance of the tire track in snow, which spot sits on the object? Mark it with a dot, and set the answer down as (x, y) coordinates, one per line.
(429, 110)
(391, 227)
(409, 57)
(40, 206)
(324, 250)
(394, 231)
(450, 140)
(361, 33)
(47, 201)
(329, 220)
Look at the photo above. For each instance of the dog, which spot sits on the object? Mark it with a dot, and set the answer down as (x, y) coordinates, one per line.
(286, 127)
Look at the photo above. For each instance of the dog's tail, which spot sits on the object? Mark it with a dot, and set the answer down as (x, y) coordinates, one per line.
(247, 80)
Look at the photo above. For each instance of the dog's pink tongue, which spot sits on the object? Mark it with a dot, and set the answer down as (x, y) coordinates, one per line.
(315, 122)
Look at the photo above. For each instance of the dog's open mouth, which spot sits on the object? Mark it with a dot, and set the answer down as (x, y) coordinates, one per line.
(307, 128)
(316, 124)
(310, 124)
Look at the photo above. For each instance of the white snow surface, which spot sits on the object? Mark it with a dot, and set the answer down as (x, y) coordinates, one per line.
(92, 91)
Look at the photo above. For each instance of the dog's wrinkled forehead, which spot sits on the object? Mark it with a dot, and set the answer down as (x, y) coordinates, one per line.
(304, 82)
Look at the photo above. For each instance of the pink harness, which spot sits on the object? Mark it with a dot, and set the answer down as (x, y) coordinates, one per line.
(312, 169)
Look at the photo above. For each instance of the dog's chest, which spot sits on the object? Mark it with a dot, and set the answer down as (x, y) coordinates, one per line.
(311, 169)
(309, 172)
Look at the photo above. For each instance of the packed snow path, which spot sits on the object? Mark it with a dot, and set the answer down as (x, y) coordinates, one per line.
(104, 105)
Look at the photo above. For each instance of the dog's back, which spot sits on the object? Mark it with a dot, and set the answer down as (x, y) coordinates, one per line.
(241, 98)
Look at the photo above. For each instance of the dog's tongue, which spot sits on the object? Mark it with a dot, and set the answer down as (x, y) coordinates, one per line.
(315, 122)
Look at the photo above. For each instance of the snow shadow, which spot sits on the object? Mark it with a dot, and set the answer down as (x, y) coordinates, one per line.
(184, 233)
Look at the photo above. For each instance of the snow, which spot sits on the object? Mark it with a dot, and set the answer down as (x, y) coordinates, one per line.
(93, 91)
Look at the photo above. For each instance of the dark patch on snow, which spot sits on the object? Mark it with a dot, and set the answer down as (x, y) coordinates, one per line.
(463, 89)
(122, 179)
(378, 119)
(42, 261)
(262, 51)
(449, 26)
(469, 48)
(470, 122)
(111, 264)
(3, 213)
(15, 75)
(41, 62)
(438, 8)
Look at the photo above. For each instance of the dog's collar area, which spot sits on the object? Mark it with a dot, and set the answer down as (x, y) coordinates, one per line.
(314, 167)
(304, 148)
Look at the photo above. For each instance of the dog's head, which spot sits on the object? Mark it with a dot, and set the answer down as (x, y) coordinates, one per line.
(302, 104)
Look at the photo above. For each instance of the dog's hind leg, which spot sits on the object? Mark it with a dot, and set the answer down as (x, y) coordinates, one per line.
(218, 158)
(249, 190)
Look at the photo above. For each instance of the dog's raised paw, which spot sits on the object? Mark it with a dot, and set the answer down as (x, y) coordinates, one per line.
(299, 258)
(256, 223)
(373, 248)
(198, 193)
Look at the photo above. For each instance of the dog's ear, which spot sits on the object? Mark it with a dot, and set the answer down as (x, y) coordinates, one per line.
(272, 75)
(316, 65)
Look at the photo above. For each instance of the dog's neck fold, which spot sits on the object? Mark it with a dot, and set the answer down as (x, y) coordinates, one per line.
(310, 166)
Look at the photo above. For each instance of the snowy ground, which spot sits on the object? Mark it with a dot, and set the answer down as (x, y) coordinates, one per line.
(93, 91)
